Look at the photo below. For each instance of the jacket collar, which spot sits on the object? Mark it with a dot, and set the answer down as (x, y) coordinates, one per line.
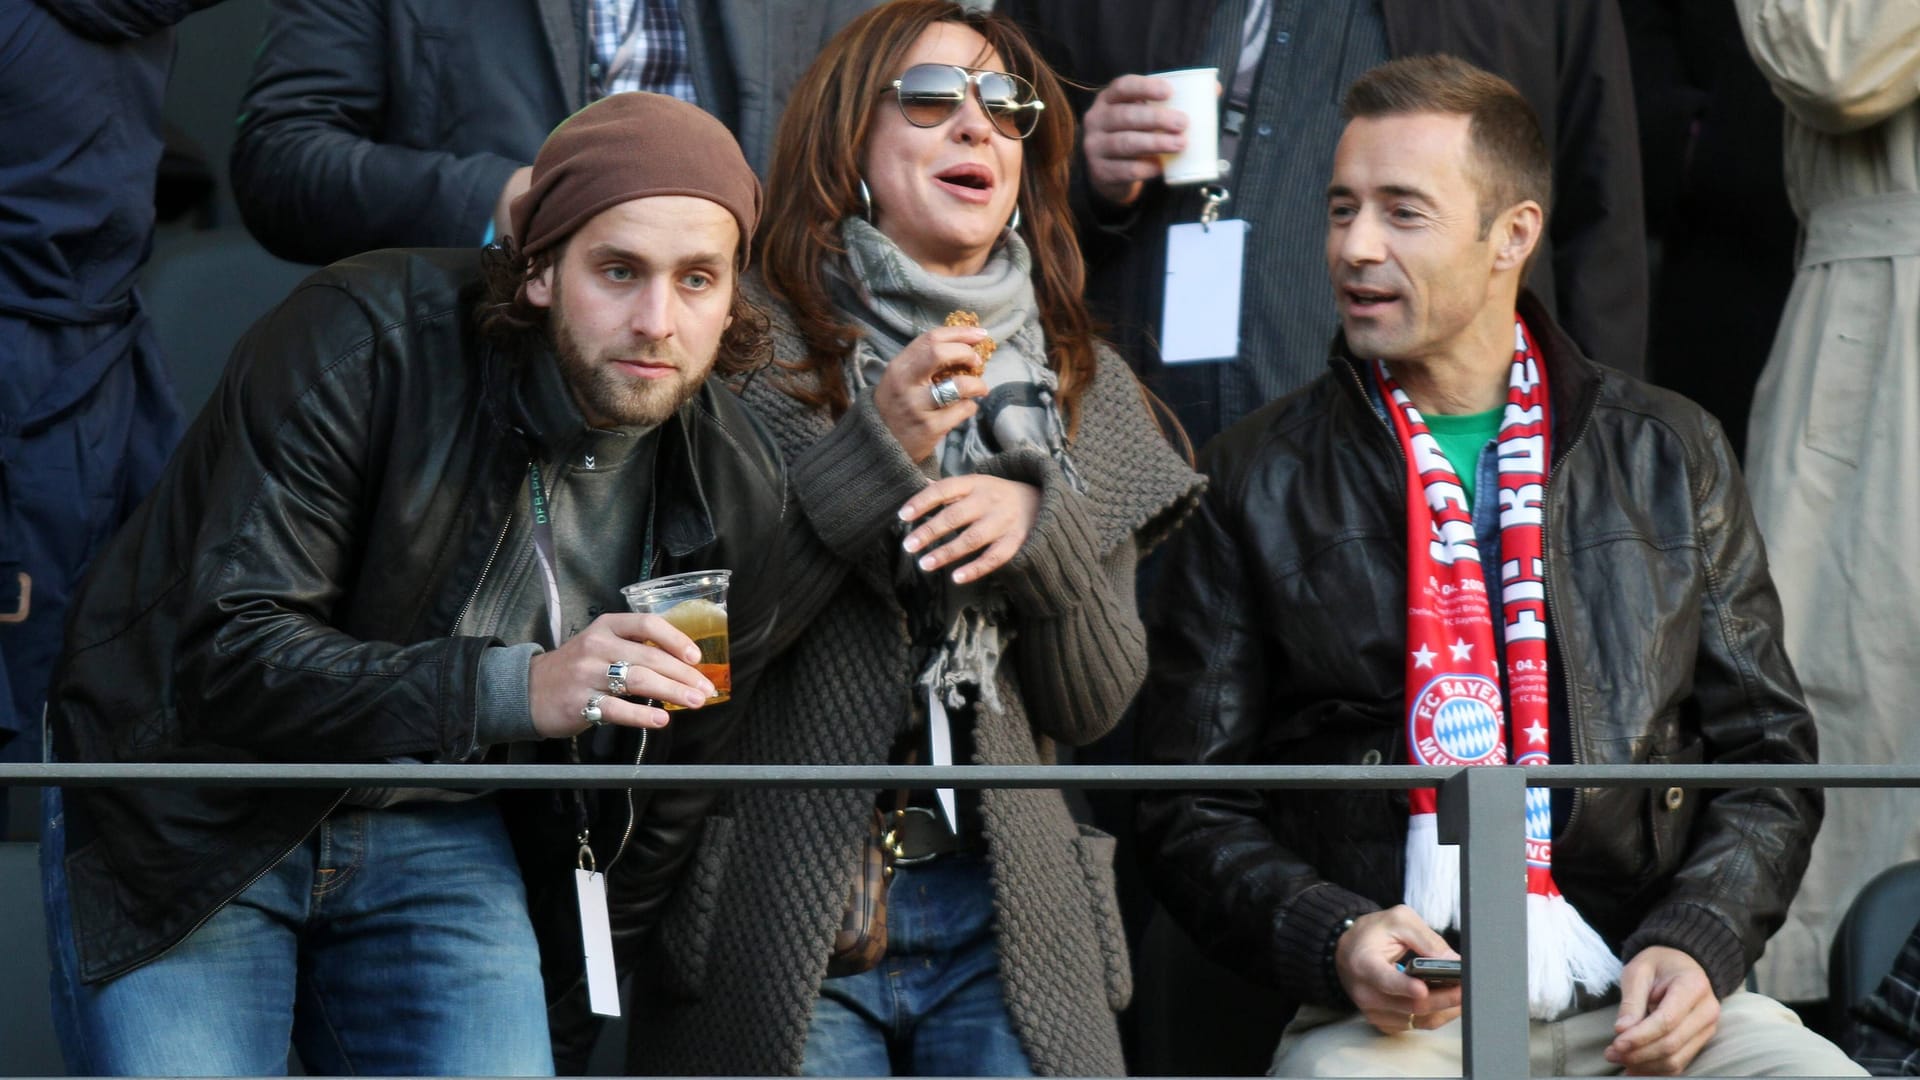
(531, 397)
(1573, 381)
(566, 45)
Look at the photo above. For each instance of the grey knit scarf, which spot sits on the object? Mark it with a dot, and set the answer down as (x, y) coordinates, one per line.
(894, 300)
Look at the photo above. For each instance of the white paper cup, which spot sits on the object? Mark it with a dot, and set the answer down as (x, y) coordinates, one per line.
(1196, 93)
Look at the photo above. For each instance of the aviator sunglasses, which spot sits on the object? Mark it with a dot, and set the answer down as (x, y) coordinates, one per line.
(930, 93)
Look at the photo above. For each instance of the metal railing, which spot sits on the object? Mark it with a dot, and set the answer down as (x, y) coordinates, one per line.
(1481, 809)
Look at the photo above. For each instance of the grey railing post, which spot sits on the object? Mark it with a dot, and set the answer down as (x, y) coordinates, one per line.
(1483, 811)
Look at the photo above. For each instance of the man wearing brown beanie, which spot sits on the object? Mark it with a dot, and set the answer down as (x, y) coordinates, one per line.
(398, 535)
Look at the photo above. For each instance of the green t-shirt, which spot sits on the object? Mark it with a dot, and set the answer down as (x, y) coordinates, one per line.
(1462, 438)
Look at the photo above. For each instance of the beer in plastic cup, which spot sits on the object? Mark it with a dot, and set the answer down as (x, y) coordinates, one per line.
(696, 605)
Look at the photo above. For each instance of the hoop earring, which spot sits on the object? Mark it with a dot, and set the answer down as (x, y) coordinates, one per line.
(1014, 224)
(866, 199)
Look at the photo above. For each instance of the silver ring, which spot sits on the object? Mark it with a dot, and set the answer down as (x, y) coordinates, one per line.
(945, 392)
(592, 714)
(617, 677)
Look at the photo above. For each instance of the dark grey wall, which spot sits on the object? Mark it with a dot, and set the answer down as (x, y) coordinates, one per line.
(214, 58)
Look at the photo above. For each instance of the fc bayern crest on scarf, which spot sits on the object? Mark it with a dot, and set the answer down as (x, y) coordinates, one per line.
(1458, 720)
(1457, 712)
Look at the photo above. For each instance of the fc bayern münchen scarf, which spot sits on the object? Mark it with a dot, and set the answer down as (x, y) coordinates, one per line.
(1456, 711)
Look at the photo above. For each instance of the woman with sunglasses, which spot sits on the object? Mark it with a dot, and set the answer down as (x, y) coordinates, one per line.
(968, 507)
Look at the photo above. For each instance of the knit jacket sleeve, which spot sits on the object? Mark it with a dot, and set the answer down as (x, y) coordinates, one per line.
(853, 482)
(849, 485)
(1081, 652)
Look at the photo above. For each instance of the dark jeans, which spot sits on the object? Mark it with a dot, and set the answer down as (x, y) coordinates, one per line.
(935, 1006)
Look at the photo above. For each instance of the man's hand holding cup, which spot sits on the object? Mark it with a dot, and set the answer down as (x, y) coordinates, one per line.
(1146, 126)
(658, 664)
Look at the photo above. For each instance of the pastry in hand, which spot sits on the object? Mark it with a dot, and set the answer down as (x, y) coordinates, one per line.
(983, 349)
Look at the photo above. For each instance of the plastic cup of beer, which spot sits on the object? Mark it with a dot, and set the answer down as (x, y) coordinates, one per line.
(1196, 92)
(696, 605)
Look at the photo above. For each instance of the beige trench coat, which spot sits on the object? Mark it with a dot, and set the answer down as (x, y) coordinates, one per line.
(1834, 450)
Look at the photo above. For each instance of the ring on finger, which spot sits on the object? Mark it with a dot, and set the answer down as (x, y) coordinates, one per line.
(1410, 1021)
(945, 392)
(617, 677)
(591, 713)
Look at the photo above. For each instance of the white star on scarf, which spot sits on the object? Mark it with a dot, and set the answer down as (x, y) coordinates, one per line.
(1462, 651)
(1423, 656)
(1535, 733)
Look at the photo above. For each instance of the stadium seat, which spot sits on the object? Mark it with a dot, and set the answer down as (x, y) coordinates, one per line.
(203, 290)
(1870, 936)
(27, 1046)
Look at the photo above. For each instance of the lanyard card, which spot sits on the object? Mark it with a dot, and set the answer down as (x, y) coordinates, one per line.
(596, 934)
(940, 753)
(1200, 317)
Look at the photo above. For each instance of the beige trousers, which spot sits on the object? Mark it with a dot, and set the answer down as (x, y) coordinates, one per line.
(1757, 1036)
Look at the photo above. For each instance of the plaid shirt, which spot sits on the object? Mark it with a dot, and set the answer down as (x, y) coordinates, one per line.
(640, 45)
(1885, 1033)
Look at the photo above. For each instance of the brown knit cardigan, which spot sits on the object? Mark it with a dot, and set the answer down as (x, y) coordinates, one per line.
(738, 958)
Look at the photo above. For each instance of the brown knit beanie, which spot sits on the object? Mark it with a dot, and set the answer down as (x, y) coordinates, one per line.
(630, 146)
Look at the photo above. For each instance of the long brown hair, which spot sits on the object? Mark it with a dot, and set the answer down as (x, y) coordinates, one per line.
(816, 184)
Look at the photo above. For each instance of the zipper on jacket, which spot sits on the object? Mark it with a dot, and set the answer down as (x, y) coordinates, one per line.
(1385, 425)
(482, 579)
(1386, 429)
(632, 817)
(230, 897)
(580, 805)
(1574, 746)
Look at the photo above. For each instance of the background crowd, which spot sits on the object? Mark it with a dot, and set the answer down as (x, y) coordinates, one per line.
(1736, 216)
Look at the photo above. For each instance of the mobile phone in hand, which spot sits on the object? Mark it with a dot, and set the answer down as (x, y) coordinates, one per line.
(1433, 970)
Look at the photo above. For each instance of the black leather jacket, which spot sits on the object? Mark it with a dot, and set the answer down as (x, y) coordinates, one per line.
(1278, 636)
(289, 593)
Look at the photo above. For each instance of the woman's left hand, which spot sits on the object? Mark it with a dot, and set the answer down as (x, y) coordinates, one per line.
(993, 516)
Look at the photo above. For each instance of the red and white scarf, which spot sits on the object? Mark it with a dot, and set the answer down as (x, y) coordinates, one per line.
(1456, 711)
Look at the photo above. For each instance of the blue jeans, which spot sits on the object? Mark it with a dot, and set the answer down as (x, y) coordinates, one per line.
(390, 942)
(62, 986)
(935, 1005)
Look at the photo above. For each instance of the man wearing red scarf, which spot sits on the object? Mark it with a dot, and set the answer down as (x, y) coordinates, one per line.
(1467, 545)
